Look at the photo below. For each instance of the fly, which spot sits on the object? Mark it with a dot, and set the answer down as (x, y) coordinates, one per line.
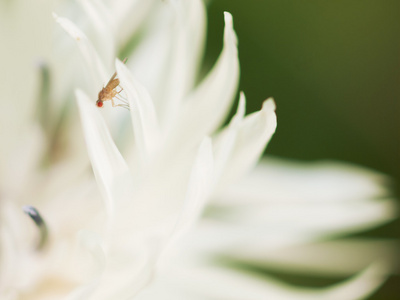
(109, 92)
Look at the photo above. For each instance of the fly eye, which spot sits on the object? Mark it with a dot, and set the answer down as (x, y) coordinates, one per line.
(99, 103)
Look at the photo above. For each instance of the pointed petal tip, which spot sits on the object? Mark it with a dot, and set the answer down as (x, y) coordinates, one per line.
(228, 18)
(229, 32)
(241, 110)
(242, 104)
(269, 104)
(69, 27)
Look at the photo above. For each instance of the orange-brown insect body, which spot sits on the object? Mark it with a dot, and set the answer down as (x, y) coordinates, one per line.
(109, 91)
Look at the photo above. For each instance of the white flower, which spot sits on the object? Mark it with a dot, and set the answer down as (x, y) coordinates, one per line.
(147, 240)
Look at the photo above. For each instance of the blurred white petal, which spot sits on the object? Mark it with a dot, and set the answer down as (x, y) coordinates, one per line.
(205, 109)
(143, 114)
(25, 42)
(325, 258)
(252, 136)
(317, 219)
(222, 283)
(91, 243)
(225, 141)
(199, 188)
(125, 25)
(21, 165)
(95, 66)
(109, 167)
(309, 183)
(186, 40)
(97, 13)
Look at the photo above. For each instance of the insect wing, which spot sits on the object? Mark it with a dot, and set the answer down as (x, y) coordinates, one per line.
(115, 74)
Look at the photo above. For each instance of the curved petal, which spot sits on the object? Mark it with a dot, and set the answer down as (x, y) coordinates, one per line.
(322, 219)
(199, 187)
(19, 31)
(143, 114)
(224, 142)
(253, 134)
(109, 167)
(95, 66)
(187, 35)
(166, 59)
(206, 107)
(220, 283)
(90, 242)
(326, 258)
(100, 19)
(261, 234)
(285, 181)
(21, 165)
(129, 17)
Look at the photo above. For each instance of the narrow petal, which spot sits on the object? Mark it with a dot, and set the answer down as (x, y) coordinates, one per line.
(109, 167)
(167, 57)
(91, 243)
(143, 114)
(246, 233)
(187, 36)
(317, 220)
(129, 17)
(220, 283)
(101, 25)
(206, 107)
(316, 182)
(96, 68)
(199, 188)
(22, 165)
(225, 141)
(253, 134)
(326, 258)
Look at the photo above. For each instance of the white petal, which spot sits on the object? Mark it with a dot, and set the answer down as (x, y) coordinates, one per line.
(262, 234)
(160, 289)
(253, 134)
(316, 219)
(194, 20)
(129, 17)
(166, 59)
(206, 107)
(21, 165)
(198, 188)
(143, 115)
(9, 259)
(219, 283)
(130, 262)
(96, 68)
(338, 257)
(110, 169)
(181, 65)
(103, 38)
(24, 40)
(91, 243)
(284, 181)
(225, 141)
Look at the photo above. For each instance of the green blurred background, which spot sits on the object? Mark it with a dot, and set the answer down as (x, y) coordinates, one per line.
(333, 68)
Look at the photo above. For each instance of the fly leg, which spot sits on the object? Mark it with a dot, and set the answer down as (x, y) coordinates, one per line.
(124, 105)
